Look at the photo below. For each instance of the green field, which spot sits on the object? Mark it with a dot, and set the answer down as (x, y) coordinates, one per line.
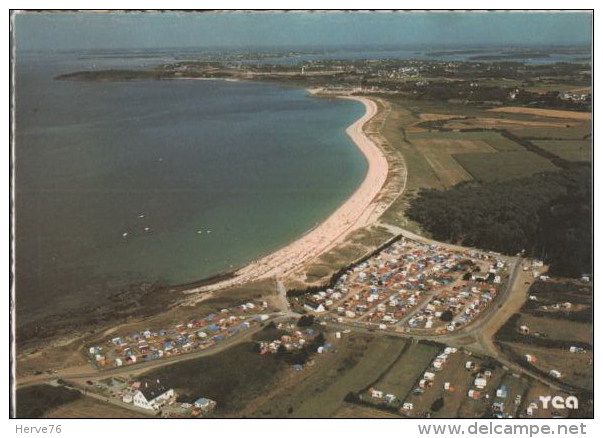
(561, 329)
(571, 150)
(506, 165)
(378, 356)
(572, 132)
(401, 378)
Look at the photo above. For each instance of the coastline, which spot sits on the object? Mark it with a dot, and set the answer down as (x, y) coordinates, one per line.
(359, 210)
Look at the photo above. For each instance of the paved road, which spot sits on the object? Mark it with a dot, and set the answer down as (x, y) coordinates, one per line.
(146, 366)
(282, 294)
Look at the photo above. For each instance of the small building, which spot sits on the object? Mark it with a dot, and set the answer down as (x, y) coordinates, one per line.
(502, 392)
(205, 404)
(554, 373)
(524, 330)
(376, 394)
(390, 398)
(473, 394)
(480, 382)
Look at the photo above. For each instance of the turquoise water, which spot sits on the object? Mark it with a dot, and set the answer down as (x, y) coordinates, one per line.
(257, 165)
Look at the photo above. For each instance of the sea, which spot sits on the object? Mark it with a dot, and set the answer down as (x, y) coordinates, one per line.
(171, 181)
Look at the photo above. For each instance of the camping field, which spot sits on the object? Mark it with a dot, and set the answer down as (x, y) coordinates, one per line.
(380, 354)
(407, 370)
(470, 408)
(319, 390)
(532, 397)
(460, 380)
(576, 369)
(557, 328)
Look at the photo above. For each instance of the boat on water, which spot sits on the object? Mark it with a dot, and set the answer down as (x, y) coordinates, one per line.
(124, 235)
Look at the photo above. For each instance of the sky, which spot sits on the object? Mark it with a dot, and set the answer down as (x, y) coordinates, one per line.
(93, 30)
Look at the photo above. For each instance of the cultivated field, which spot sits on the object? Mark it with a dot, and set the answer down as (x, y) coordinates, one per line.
(500, 123)
(503, 165)
(571, 150)
(439, 154)
(544, 112)
(570, 131)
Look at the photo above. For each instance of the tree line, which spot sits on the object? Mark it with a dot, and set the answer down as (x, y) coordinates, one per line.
(547, 215)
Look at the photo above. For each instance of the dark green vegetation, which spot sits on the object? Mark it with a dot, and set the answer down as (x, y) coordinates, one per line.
(115, 75)
(231, 378)
(35, 401)
(547, 214)
(571, 150)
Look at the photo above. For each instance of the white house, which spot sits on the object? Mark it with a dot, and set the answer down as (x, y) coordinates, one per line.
(152, 395)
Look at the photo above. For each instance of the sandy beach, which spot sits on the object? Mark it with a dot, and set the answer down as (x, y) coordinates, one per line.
(359, 210)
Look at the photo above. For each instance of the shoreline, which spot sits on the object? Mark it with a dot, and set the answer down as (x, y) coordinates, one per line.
(359, 210)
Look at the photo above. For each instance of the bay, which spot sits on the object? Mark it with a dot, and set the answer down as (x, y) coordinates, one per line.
(203, 176)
